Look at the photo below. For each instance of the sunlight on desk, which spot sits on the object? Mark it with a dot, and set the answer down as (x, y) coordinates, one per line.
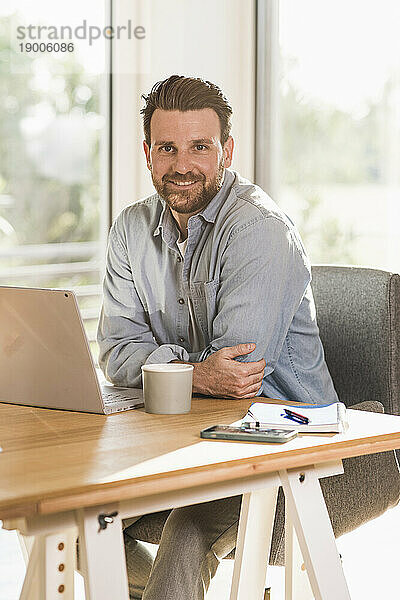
(203, 452)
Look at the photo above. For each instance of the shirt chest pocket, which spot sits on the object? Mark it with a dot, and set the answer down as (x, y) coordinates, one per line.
(204, 301)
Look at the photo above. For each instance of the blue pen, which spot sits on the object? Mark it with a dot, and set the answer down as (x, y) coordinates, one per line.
(296, 417)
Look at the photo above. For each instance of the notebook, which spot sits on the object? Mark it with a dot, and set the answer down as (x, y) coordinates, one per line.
(323, 418)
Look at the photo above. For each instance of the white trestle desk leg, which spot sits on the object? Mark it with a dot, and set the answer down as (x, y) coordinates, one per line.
(297, 585)
(308, 513)
(26, 545)
(102, 554)
(50, 570)
(253, 544)
(31, 586)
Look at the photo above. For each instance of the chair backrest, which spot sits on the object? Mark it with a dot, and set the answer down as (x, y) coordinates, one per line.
(358, 314)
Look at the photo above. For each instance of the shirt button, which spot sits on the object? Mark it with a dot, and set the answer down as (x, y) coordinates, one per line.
(179, 259)
(181, 339)
(181, 301)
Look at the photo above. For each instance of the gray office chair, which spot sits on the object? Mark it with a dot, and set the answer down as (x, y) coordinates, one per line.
(358, 313)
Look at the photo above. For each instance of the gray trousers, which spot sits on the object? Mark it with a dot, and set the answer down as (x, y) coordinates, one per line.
(193, 542)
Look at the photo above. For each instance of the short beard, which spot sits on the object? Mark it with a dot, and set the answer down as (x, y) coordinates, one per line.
(188, 201)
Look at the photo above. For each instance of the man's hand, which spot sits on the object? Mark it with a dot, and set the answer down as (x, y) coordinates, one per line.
(221, 375)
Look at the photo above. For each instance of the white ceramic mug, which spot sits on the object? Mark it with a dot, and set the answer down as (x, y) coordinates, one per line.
(167, 388)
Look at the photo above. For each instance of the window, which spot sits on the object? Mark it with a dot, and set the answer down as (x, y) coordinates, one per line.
(340, 128)
(53, 152)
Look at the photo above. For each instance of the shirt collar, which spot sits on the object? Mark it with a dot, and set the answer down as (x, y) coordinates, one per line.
(209, 213)
(166, 225)
(159, 227)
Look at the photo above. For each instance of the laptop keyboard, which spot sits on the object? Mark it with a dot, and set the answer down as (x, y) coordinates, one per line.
(112, 398)
(115, 397)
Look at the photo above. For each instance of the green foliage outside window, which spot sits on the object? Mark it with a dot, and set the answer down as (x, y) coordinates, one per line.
(49, 148)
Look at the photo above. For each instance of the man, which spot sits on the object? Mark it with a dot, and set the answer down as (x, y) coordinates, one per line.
(211, 272)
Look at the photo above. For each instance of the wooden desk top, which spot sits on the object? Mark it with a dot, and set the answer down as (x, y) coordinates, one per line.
(53, 461)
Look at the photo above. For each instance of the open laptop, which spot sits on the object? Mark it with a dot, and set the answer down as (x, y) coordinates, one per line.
(45, 359)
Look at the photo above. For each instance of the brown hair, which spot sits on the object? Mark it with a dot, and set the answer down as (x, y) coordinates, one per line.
(186, 93)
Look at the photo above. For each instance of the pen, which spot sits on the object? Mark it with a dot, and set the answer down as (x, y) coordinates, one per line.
(293, 416)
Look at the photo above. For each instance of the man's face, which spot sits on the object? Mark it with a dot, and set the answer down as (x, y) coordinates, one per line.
(186, 158)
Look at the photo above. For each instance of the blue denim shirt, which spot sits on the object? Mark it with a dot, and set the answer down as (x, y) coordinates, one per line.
(246, 274)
